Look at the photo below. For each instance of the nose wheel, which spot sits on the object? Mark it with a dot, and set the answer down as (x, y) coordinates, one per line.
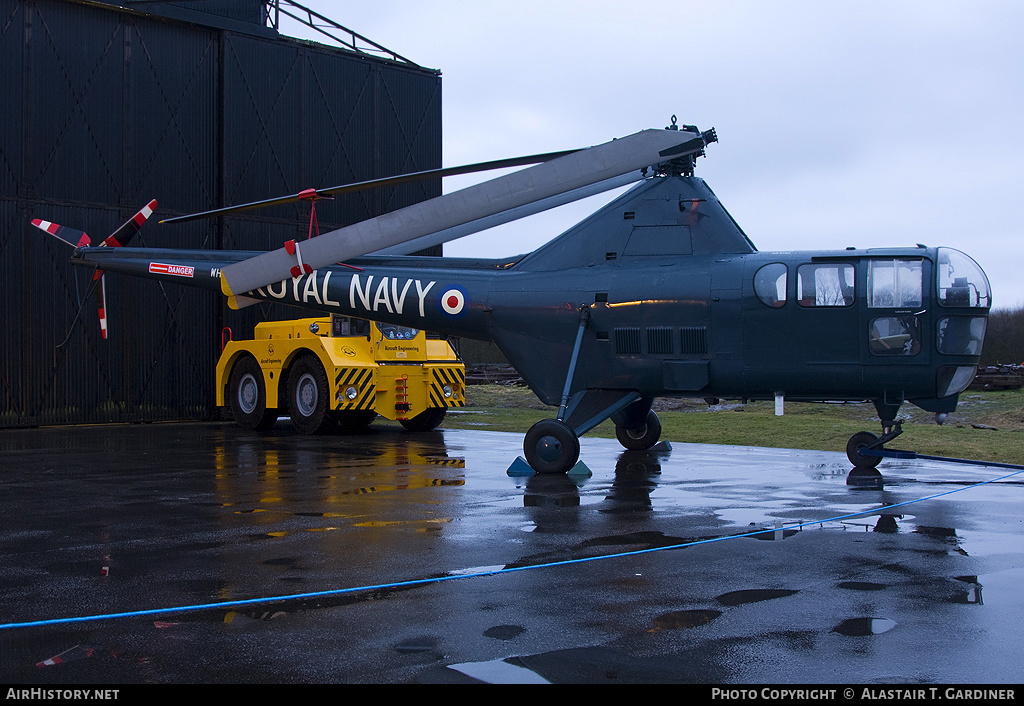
(857, 443)
(865, 440)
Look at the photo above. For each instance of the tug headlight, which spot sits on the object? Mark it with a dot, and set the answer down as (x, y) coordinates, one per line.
(447, 390)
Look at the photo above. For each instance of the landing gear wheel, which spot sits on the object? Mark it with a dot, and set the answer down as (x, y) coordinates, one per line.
(426, 420)
(309, 396)
(642, 438)
(857, 442)
(248, 398)
(551, 447)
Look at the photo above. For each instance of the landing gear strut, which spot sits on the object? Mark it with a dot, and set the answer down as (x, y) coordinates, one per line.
(553, 445)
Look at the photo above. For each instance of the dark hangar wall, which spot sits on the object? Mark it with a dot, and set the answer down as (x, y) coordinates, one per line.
(106, 108)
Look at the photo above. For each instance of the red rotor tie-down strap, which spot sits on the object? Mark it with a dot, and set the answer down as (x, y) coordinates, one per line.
(292, 248)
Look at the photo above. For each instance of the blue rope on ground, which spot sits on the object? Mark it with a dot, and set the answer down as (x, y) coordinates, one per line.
(491, 572)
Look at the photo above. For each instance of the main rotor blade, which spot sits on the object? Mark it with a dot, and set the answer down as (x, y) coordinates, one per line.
(373, 184)
(449, 234)
(557, 176)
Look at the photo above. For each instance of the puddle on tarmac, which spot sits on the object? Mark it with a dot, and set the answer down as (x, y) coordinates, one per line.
(684, 619)
(748, 516)
(947, 534)
(862, 586)
(498, 671)
(418, 644)
(972, 594)
(774, 534)
(1001, 589)
(648, 539)
(504, 632)
(755, 595)
(860, 627)
(474, 570)
(886, 524)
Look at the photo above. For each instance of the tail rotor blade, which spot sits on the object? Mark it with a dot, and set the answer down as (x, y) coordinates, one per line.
(119, 238)
(101, 304)
(77, 238)
(123, 235)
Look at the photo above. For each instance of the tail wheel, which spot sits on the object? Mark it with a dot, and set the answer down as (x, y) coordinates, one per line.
(247, 396)
(309, 396)
(858, 441)
(551, 447)
(641, 438)
(426, 420)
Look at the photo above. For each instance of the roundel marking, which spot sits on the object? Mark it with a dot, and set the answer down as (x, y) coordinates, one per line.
(453, 301)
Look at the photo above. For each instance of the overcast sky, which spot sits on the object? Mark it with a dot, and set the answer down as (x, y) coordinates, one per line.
(840, 124)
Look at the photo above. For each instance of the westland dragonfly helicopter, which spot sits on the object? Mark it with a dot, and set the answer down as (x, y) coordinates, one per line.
(658, 294)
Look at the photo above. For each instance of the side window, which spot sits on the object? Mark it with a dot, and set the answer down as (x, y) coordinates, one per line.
(827, 284)
(770, 284)
(894, 284)
(961, 335)
(894, 336)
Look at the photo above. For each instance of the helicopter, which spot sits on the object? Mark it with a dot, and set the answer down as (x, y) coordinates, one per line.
(659, 293)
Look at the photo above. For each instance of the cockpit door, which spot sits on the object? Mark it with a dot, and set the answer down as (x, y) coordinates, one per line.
(896, 319)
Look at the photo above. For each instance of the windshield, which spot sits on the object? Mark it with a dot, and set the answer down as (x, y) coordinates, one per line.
(961, 281)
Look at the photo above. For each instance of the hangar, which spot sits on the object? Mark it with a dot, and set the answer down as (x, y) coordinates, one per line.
(198, 105)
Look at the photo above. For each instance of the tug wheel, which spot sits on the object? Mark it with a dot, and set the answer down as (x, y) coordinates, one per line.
(858, 441)
(309, 396)
(641, 438)
(247, 396)
(551, 447)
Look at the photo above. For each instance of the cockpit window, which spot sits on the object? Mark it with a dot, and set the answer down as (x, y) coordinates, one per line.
(961, 281)
(397, 333)
(770, 284)
(828, 284)
(895, 284)
(343, 326)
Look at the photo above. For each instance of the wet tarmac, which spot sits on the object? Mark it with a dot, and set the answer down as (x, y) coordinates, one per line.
(109, 520)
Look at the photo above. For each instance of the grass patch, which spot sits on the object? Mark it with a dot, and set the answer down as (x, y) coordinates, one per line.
(987, 426)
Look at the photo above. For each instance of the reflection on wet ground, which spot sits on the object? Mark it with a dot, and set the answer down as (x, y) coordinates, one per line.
(395, 557)
(854, 627)
(756, 595)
